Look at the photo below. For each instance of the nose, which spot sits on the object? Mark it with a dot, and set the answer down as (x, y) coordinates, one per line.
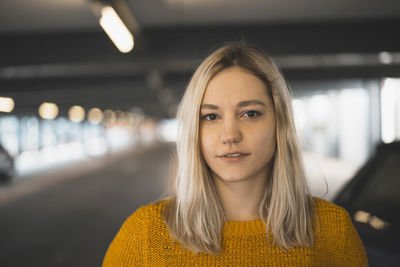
(231, 132)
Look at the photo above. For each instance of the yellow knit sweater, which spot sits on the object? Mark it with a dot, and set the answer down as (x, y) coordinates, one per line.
(143, 240)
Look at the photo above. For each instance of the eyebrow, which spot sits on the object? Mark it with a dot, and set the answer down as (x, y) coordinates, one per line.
(251, 103)
(240, 104)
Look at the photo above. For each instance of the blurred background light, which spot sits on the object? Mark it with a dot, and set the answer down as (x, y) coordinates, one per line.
(48, 111)
(168, 130)
(6, 104)
(362, 216)
(320, 106)
(95, 116)
(300, 115)
(130, 118)
(76, 114)
(390, 110)
(378, 223)
(116, 30)
(119, 116)
(109, 117)
(385, 57)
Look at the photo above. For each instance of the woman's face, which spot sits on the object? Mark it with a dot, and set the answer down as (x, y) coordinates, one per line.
(237, 126)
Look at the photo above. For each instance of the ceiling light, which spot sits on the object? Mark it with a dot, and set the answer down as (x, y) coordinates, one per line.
(116, 29)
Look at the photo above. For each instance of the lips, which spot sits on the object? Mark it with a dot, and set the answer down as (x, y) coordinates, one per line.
(233, 157)
(233, 154)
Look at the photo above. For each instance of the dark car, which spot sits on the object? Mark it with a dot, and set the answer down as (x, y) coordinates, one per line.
(7, 170)
(372, 197)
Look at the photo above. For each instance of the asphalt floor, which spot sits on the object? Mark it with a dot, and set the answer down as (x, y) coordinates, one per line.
(69, 216)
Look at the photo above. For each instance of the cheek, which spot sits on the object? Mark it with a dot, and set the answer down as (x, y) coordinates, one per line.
(206, 144)
(265, 143)
(270, 139)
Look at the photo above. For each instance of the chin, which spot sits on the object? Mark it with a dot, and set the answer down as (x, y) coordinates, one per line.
(232, 178)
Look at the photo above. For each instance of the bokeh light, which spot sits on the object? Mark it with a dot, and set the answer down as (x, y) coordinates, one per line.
(6, 104)
(109, 117)
(48, 111)
(95, 116)
(76, 113)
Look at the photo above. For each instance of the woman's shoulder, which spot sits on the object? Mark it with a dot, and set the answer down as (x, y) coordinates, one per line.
(326, 205)
(147, 213)
(336, 234)
(326, 208)
(330, 214)
(132, 240)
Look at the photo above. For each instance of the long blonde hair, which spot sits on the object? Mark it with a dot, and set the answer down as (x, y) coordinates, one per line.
(193, 212)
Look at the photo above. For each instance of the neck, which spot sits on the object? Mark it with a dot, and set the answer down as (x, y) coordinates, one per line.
(240, 200)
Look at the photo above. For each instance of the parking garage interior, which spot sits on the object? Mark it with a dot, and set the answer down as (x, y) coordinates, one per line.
(88, 129)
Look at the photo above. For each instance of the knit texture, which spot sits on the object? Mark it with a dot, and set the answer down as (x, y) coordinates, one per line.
(143, 240)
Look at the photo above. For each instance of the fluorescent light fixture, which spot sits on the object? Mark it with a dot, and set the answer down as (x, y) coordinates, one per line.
(6, 104)
(116, 29)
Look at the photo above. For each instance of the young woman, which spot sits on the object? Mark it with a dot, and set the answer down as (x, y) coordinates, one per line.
(239, 197)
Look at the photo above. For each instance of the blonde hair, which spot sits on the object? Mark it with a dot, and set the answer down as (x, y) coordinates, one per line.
(193, 212)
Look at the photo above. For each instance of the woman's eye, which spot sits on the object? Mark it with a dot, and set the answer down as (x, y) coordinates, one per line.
(210, 117)
(251, 114)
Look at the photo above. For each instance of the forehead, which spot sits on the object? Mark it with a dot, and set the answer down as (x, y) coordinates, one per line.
(233, 85)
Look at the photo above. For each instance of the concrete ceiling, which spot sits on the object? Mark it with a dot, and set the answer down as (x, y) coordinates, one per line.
(55, 49)
(72, 15)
